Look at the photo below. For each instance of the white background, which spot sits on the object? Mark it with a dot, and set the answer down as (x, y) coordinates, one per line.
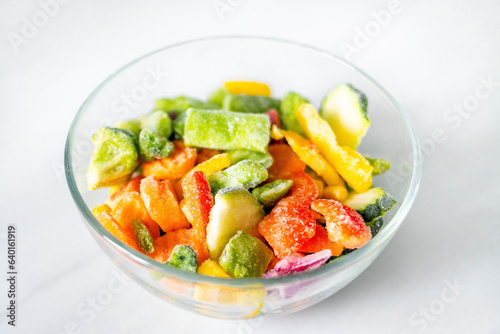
(431, 57)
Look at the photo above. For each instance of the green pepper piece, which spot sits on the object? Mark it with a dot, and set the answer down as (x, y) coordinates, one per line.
(114, 157)
(250, 103)
(247, 174)
(238, 155)
(272, 192)
(142, 236)
(152, 146)
(245, 256)
(226, 130)
(184, 257)
(291, 102)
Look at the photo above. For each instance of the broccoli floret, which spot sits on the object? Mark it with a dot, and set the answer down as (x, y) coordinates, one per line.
(184, 257)
(153, 146)
(158, 122)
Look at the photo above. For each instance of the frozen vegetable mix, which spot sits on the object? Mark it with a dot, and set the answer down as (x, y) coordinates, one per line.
(244, 184)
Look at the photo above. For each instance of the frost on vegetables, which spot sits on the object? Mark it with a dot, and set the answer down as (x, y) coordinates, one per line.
(244, 184)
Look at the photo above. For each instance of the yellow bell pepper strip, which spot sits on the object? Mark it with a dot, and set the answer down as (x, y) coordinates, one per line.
(338, 193)
(352, 166)
(212, 165)
(310, 155)
(248, 88)
(212, 268)
(276, 133)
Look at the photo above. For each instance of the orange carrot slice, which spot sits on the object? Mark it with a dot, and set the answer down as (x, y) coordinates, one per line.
(129, 205)
(286, 162)
(164, 245)
(103, 215)
(162, 205)
(173, 167)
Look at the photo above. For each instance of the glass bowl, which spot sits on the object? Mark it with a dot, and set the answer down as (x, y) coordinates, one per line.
(195, 68)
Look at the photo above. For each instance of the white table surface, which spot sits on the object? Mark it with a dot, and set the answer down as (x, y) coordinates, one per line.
(430, 56)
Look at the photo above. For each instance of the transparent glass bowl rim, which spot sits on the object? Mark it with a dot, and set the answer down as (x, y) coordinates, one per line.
(327, 270)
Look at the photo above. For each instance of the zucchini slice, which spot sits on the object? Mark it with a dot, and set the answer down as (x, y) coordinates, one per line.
(371, 204)
(375, 226)
(235, 209)
(345, 109)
